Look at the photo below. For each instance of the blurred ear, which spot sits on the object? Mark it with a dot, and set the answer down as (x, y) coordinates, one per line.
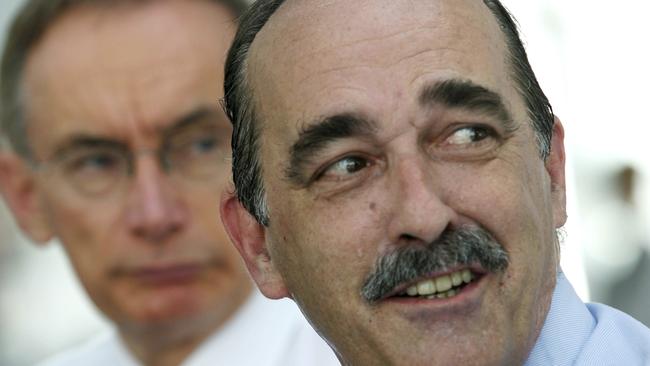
(249, 237)
(18, 187)
(555, 166)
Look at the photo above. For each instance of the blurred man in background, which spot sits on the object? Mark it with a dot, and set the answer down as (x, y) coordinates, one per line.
(119, 150)
(400, 174)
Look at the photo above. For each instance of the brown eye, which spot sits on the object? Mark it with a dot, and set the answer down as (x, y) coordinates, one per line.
(345, 167)
(468, 135)
(467, 142)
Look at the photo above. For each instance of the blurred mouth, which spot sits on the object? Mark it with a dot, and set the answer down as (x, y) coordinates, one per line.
(175, 274)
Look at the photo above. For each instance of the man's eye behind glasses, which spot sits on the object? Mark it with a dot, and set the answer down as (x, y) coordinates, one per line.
(194, 145)
(94, 172)
(196, 150)
(99, 163)
(197, 156)
(202, 146)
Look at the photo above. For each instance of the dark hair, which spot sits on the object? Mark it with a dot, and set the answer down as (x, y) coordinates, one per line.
(28, 27)
(239, 105)
(538, 107)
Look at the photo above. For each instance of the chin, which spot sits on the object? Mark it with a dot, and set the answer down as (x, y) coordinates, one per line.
(167, 307)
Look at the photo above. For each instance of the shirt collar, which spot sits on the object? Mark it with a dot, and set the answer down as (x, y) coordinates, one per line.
(566, 330)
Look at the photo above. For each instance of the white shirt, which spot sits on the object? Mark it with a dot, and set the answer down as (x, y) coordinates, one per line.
(262, 333)
(274, 333)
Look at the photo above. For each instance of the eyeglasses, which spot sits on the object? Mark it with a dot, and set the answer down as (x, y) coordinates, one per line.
(98, 167)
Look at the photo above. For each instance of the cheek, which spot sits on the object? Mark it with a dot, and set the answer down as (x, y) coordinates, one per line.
(507, 194)
(204, 218)
(511, 199)
(90, 242)
(85, 228)
(324, 255)
(334, 243)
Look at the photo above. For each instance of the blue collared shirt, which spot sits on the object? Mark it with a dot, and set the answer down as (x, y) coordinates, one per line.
(576, 333)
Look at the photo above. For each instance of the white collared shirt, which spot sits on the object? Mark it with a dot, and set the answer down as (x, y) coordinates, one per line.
(262, 333)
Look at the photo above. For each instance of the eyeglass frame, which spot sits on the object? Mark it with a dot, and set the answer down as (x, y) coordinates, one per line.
(202, 117)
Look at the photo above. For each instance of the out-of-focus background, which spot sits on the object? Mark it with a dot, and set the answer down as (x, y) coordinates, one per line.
(592, 60)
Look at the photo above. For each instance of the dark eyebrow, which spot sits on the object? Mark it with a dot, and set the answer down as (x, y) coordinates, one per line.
(464, 94)
(90, 140)
(195, 116)
(322, 132)
(453, 93)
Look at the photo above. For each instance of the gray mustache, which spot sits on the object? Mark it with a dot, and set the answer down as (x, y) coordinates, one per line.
(455, 247)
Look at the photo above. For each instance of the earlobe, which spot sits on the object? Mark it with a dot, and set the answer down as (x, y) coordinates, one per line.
(249, 237)
(18, 188)
(555, 166)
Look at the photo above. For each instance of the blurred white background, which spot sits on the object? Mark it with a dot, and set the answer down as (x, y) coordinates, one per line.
(592, 59)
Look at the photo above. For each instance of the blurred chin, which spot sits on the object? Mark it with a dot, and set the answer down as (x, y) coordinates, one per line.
(158, 307)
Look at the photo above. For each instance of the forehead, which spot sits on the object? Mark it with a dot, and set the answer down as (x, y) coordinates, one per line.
(319, 57)
(130, 65)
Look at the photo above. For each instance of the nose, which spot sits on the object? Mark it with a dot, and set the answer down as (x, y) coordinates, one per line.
(419, 211)
(155, 211)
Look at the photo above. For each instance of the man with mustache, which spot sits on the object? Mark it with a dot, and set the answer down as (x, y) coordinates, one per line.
(120, 150)
(399, 174)
(456, 248)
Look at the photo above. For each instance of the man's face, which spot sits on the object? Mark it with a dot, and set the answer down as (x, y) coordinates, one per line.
(386, 126)
(137, 79)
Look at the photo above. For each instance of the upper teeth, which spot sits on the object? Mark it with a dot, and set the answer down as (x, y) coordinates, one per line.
(440, 284)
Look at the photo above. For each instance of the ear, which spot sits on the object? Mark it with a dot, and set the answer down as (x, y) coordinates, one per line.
(19, 189)
(555, 166)
(249, 237)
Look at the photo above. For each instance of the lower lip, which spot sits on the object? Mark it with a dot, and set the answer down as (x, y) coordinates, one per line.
(170, 275)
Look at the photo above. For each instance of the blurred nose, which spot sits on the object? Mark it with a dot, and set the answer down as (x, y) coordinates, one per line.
(155, 211)
(419, 211)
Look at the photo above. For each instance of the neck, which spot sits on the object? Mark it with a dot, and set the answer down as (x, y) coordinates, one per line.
(171, 344)
(164, 346)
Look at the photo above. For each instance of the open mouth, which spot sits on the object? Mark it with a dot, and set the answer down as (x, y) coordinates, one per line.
(440, 287)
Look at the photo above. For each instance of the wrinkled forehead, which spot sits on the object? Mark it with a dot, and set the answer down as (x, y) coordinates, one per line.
(330, 23)
(126, 68)
(310, 45)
